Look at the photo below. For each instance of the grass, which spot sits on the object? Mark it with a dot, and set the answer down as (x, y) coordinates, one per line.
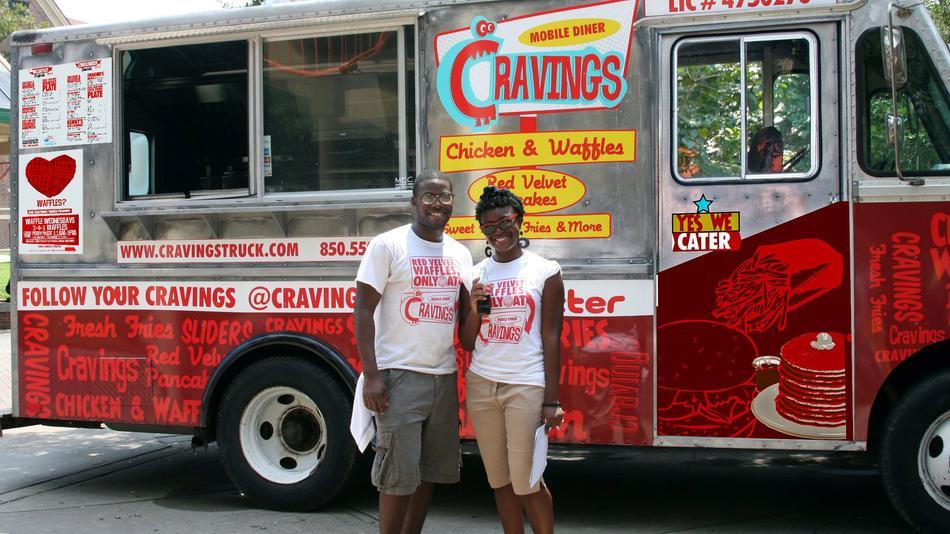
(4, 276)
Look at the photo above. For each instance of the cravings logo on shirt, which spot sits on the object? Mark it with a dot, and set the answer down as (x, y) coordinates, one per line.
(513, 312)
(434, 295)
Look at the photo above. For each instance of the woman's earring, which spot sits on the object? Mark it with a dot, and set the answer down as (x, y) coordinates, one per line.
(487, 250)
(523, 241)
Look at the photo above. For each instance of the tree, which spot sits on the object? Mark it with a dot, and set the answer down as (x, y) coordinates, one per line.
(15, 16)
(940, 12)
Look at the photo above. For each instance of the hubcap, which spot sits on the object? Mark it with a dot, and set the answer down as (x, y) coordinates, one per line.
(283, 435)
(934, 460)
(300, 430)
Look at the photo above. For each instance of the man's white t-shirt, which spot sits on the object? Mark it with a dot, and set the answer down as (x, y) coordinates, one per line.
(508, 347)
(419, 282)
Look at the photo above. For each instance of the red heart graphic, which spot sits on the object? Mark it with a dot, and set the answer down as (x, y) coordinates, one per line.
(50, 177)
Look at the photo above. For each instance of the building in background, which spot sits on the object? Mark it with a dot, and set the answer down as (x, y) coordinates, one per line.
(46, 13)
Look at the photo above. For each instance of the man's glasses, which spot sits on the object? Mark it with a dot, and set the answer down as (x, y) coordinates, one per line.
(504, 225)
(444, 198)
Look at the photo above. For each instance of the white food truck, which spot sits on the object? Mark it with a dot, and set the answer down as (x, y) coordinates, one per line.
(749, 200)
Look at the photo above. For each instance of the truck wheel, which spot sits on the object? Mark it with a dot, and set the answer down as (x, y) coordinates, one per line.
(915, 455)
(283, 432)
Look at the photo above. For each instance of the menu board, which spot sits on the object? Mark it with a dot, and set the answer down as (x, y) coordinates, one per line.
(67, 104)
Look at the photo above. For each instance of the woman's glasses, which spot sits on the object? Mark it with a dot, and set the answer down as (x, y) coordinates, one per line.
(444, 198)
(503, 225)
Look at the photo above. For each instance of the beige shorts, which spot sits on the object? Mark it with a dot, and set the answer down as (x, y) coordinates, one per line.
(417, 439)
(505, 417)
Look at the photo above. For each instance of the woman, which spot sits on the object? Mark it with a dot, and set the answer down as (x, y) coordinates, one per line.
(512, 384)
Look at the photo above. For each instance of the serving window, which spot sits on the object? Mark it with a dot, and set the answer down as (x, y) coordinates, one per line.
(332, 112)
(319, 115)
(185, 115)
(745, 108)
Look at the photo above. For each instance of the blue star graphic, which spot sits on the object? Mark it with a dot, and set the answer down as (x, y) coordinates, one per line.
(702, 205)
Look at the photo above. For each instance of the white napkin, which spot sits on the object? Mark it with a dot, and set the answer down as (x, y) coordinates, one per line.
(539, 460)
(362, 425)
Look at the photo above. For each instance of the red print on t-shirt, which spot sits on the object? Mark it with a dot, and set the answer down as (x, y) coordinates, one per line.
(434, 294)
(512, 312)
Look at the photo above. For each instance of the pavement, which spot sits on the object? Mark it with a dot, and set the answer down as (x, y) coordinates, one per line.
(67, 480)
(58, 480)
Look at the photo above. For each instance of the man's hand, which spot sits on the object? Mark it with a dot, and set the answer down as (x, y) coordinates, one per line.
(375, 394)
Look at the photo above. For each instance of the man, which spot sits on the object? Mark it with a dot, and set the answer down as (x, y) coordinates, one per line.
(413, 280)
(766, 151)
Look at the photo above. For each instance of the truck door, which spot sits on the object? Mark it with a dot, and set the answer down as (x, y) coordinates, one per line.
(753, 318)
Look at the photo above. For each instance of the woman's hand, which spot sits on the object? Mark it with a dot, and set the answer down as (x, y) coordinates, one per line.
(476, 294)
(552, 417)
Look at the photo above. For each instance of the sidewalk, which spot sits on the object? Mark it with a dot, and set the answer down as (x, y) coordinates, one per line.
(6, 393)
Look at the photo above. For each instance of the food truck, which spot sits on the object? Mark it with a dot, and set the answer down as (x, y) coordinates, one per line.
(748, 199)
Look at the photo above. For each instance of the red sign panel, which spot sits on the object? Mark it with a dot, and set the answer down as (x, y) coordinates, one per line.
(50, 230)
(902, 272)
(152, 366)
(755, 343)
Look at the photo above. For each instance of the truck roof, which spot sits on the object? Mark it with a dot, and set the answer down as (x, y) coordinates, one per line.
(314, 12)
(252, 18)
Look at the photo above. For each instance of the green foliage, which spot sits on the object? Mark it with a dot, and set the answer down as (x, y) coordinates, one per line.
(4, 279)
(940, 12)
(793, 116)
(917, 150)
(13, 18)
(709, 117)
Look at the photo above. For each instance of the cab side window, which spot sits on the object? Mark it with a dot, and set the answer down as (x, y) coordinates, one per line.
(745, 108)
(332, 111)
(922, 105)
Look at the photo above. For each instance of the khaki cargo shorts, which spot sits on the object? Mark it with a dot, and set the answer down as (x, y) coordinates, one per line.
(505, 417)
(417, 438)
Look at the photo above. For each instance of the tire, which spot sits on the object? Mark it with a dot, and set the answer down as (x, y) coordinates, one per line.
(283, 432)
(915, 454)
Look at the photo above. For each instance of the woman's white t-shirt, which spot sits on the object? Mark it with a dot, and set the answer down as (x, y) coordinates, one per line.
(419, 282)
(508, 347)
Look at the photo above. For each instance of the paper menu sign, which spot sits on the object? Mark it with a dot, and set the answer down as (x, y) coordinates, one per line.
(66, 104)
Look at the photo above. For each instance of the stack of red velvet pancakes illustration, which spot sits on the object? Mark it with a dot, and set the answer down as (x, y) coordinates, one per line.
(810, 399)
(811, 388)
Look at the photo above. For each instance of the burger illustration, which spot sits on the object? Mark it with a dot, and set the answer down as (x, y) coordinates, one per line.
(705, 380)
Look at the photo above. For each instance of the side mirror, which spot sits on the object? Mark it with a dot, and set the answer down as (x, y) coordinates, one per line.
(895, 72)
(895, 58)
(895, 130)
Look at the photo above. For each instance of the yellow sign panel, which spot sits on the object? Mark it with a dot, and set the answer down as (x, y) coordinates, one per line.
(540, 190)
(569, 32)
(581, 226)
(459, 153)
(725, 221)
